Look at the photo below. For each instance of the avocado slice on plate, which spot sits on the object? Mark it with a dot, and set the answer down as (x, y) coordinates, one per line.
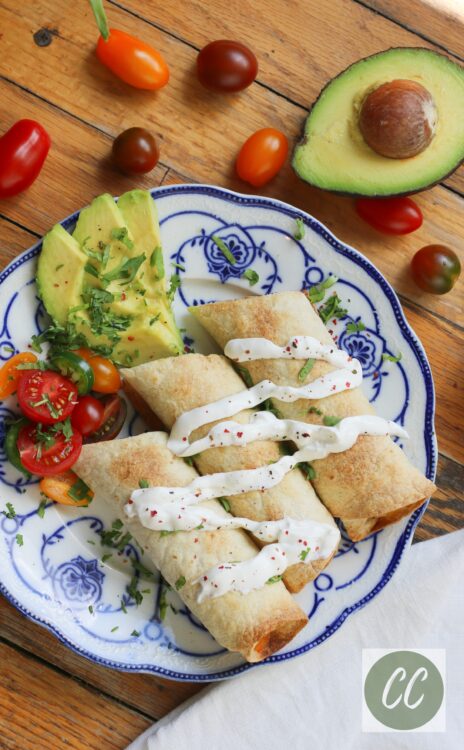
(390, 124)
(117, 299)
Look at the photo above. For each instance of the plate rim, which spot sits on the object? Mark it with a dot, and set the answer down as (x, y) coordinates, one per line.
(431, 448)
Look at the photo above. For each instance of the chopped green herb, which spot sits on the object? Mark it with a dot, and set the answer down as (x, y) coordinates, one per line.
(300, 229)
(106, 556)
(331, 421)
(179, 266)
(274, 579)
(39, 365)
(66, 428)
(156, 261)
(90, 609)
(306, 369)
(355, 327)
(307, 469)
(123, 606)
(60, 265)
(91, 270)
(80, 491)
(224, 249)
(317, 292)
(332, 309)
(304, 554)
(180, 582)
(174, 284)
(122, 235)
(251, 276)
(165, 532)
(163, 602)
(152, 321)
(268, 405)
(244, 374)
(391, 358)
(143, 484)
(140, 568)
(19, 540)
(133, 591)
(314, 410)
(10, 511)
(135, 633)
(225, 503)
(189, 460)
(113, 630)
(41, 510)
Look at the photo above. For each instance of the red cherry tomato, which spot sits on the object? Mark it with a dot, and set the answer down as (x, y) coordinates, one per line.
(135, 151)
(435, 268)
(226, 66)
(23, 150)
(106, 375)
(262, 156)
(390, 215)
(47, 457)
(87, 415)
(114, 416)
(46, 397)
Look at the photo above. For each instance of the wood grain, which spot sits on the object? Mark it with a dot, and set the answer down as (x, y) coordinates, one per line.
(440, 21)
(445, 512)
(42, 708)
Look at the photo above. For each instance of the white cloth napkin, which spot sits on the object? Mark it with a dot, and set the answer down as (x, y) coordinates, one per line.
(315, 699)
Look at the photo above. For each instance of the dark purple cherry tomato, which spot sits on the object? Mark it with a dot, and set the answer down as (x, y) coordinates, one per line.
(390, 215)
(226, 66)
(114, 416)
(135, 151)
(435, 269)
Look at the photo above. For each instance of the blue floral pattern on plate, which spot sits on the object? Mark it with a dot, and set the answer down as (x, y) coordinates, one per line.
(58, 577)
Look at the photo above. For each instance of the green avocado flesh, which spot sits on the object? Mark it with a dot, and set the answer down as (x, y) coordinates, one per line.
(101, 282)
(333, 154)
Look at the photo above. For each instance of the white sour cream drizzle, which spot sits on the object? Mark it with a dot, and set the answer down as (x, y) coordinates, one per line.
(289, 541)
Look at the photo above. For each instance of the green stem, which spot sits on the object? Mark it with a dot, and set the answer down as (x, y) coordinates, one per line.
(100, 17)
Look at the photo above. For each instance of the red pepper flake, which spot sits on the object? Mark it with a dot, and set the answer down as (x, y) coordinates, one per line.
(347, 384)
(247, 351)
(184, 439)
(129, 502)
(239, 434)
(221, 567)
(205, 578)
(288, 349)
(334, 321)
(305, 542)
(56, 285)
(195, 541)
(123, 296)
(375, 375)
(153, 513)
(226, 430)
(334, 388)
(131, 338)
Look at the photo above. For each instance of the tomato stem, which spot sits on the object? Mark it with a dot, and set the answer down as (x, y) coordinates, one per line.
(100, 17)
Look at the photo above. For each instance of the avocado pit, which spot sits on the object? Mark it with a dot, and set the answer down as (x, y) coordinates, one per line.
(398, 119)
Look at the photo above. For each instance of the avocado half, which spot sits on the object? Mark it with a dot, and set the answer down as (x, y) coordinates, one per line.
(333, 155)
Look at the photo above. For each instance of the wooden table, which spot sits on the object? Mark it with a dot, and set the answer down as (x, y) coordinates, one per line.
(50, 697)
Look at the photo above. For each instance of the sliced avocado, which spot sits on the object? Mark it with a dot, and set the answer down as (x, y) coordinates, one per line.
(60, 273)
(117, 300)
(333, 153)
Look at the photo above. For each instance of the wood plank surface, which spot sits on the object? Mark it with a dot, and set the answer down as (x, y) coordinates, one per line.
(49, 696)
(41, 708)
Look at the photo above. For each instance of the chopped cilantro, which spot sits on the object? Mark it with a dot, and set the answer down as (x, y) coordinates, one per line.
(39, 365)
(66, 428)
(244, 374)
(224, 249)
(135, 633)
(133, 591)
(225, 503)
(126, 271)
(154, 320)
(123, 606)
(113, 630)
(331, 421)
(251, 276)
(304, 554)
(179, 266)
(307, 469)
(189, 460)
(122, 235)
(274, 579)
(91, 270)
(306, 369)
(156, 261)
(80, 491)
(391, 358)
(180, 582)
(314, 410)
(106, 556)
(60, 265)
(300, 229)
(174, 284)
(268, 405)
(355, 327)
(162, 601)
(10, 511)
(165, 532)
(42, 506)
(143, 484)
(140, 568)
(19, 540)
(316, 293)
(90, 609)
(332, 309)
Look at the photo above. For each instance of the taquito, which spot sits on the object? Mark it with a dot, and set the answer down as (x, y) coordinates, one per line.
(172, 386)
(369, 486)
(256, 624)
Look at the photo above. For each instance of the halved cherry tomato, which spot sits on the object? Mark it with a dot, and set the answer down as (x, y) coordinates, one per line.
(262, 156)
(48, 456)
(390, 215)
(76, 368)
(88, 415)
(115, 412)
(435, 268)
(132, 60)
(9, 375)
(23, 150)
(67, 489)
(46, 397)
(106, 377)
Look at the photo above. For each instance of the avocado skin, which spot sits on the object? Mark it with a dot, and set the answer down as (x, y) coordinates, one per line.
(353, 193)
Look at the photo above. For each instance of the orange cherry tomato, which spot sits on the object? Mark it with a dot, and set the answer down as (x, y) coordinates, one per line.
(66, 488)
(262, 156)
(133, 61)
(9, 375)
(106, 377)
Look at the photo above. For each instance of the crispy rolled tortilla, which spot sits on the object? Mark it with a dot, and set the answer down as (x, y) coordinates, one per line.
(175, 385)
(256, 624)
(369, 486)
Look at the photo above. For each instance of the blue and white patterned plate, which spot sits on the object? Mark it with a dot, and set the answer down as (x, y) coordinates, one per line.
(57, 577)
